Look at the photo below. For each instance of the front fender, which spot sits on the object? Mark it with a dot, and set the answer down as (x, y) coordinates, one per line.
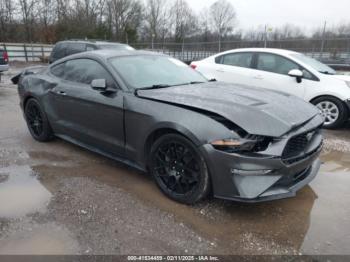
(144, 117)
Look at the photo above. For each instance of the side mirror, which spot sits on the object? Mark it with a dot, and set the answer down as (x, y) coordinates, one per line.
(297, 74)
(99, 84)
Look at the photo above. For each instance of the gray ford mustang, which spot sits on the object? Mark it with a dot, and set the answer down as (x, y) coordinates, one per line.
(194, 136)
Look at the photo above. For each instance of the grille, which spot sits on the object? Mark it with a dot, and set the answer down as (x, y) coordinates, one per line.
(293, 160)
(295, 147)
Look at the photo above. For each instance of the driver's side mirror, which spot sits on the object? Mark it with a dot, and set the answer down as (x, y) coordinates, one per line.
(298, 74)
(99, 84)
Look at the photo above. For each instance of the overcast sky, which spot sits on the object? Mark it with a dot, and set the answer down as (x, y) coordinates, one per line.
(306, 13)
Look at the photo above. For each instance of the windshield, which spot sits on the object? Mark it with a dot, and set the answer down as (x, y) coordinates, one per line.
(317, 65)
(149, 70)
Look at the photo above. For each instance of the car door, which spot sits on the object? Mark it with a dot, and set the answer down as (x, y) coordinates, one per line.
(81, 113)
(272, 73)
(234, 68)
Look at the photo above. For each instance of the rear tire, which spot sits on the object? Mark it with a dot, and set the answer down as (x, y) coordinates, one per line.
(37, 122)
(179, 169)
(333, 110)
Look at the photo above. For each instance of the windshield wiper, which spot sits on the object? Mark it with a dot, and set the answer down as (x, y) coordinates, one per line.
(196, 82)
(158, 86)
(326, 73)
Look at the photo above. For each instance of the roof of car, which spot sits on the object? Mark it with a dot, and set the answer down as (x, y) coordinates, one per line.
(93, 42)
(268, 50)
(108, 53)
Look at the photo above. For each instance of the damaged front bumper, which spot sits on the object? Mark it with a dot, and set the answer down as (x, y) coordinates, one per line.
(260, 177)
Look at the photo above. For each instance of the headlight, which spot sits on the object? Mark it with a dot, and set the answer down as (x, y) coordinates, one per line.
(250, 143)
(234, 145)
(347, 83)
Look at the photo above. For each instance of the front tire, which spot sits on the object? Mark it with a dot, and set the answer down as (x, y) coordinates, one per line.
(37, 121)
(179, 169)
(333, 110)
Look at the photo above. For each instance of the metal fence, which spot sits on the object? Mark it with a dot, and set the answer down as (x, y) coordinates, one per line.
(27, 52)
(330, 51)
(335, 51)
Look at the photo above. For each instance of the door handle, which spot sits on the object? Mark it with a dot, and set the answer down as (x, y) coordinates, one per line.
(220, 70)
(58, 92)
(62, 93)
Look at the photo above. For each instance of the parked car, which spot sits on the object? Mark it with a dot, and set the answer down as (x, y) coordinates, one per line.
(4, 60)
(286, 71)
(155, 113)
(66, 48)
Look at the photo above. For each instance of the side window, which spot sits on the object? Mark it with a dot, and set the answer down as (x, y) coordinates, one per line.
(74, 48)
(58, 70)
(238, 59)
(275, 64)
(85, 70)
(59, 50)
(307, 74)
(90, 48)
(218, 59)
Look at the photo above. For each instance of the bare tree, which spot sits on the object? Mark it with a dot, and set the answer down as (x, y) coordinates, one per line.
(223, 17)
(183, 20)
(288, 31)
(155, 18)
(47, 19)
(7, 10)
(126, 16)
(204, 24)
(28, 12)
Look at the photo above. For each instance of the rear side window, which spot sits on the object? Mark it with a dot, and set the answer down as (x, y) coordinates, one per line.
(58, 70)
(90, 48)
(236, 59)
(275, 64)
(85, 70)
(59, 51)
(74, 48)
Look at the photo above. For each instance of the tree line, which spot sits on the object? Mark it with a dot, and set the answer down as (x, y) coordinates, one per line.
(131, 21)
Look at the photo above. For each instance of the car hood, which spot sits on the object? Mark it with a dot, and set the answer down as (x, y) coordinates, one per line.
(258, 111)
(342, 77)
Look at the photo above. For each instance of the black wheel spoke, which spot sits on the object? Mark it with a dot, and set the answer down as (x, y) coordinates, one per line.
(175, 165)
(34, 119)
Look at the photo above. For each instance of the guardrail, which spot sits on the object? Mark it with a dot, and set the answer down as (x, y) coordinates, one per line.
(27, 52)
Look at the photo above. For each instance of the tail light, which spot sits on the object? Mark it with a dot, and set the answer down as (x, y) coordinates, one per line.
(5, 56)
(193, 66)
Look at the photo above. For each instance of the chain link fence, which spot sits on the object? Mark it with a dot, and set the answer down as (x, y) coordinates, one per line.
(333, 51)
(330, 51)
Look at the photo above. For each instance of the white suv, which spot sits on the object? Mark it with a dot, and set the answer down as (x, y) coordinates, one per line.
(285, 71)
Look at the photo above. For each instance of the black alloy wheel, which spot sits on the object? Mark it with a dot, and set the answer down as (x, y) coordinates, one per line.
(179, 170)
(37, 122)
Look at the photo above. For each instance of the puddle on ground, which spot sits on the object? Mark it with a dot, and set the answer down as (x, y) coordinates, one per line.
(316, 221)
(329, 230)
(20, 192)
(46, 239)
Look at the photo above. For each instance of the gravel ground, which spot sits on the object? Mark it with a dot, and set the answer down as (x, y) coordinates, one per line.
(56, 198)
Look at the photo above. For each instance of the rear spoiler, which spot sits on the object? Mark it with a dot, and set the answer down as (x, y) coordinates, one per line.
(27, 71)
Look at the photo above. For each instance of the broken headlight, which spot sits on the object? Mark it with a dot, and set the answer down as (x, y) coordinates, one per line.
(250, 143)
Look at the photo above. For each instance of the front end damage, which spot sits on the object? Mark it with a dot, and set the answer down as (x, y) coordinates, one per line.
(288, 163)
